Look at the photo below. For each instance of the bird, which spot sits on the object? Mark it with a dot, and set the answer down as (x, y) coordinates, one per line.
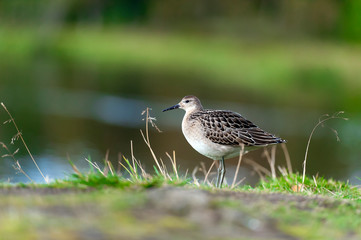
(220, 134)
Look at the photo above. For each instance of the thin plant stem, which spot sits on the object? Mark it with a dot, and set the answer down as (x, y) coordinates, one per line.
(271, 162)
(132, 153)
(195, 180)
(147, 141)
(287, 157)
(174, 164)
(109, 164)
(17, 164)
(95, 165)
(23, 141)
(238, 165)
(208, 172)
(258, 168)
(320, 123)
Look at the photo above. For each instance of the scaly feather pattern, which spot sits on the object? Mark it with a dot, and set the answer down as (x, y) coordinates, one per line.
(230, 128)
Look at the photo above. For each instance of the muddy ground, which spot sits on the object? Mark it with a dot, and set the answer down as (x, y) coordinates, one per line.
(162, 213)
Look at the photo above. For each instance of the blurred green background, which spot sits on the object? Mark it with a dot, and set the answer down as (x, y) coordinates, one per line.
(77, 74)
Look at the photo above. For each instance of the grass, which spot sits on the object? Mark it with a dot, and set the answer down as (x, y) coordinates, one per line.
(119, 208)
(312, 186)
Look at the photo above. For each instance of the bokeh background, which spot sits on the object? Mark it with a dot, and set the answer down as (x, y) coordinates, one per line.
(77, 74)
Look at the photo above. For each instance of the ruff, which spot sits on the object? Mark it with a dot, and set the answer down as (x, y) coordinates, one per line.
(220, 134)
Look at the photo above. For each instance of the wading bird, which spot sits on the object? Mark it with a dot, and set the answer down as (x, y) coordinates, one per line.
(220, 134)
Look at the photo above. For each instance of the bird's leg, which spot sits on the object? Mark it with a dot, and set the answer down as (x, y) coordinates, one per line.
(221, 172)
(218, 174)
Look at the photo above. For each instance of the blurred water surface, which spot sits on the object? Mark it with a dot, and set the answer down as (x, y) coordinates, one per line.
(85, 124)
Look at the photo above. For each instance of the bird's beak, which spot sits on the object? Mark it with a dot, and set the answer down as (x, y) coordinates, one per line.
(171, 108)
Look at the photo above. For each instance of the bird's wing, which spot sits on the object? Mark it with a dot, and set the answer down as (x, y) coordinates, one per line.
(230, 128)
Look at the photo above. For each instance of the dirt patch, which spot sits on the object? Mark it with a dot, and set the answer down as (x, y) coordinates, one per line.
(157, 213)
(228, 214)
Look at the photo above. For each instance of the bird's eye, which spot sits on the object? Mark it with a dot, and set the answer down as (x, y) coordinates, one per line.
(187, 101)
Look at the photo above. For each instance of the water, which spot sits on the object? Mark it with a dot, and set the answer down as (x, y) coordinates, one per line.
(60, 123)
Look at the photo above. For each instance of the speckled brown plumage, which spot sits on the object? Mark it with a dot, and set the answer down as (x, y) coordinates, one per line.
(220, 134)
(230, 128)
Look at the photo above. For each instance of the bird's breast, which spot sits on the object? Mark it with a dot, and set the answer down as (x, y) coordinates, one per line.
(194, 133)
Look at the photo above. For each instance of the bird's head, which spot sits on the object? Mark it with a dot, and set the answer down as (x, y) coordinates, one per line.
(188, 103)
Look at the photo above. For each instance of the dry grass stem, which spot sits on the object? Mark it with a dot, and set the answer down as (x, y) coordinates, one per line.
(16, 165)
(205, 172)
(159, 162)
(195, 180)
(144, 173)
(273, 158)
(19, 135)
(203, 168)
(73, 166)
(150, 119)
(119, 169)
(260, 170)
(146, 137)
(136, 163)
(321, 122)
(132, 153)
(238, 165)
(174, 164)
(126, 169)
(282, 170)
(239, 182)
(95, 165)
(152, 152)
(271, 161)
(208, 172)
(287, 157)
(108, 165)
(314, 180)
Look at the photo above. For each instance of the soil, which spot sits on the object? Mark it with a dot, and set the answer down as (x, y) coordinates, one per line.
(160, 213)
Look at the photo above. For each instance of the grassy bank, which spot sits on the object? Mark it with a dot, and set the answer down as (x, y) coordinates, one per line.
(95, 206)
